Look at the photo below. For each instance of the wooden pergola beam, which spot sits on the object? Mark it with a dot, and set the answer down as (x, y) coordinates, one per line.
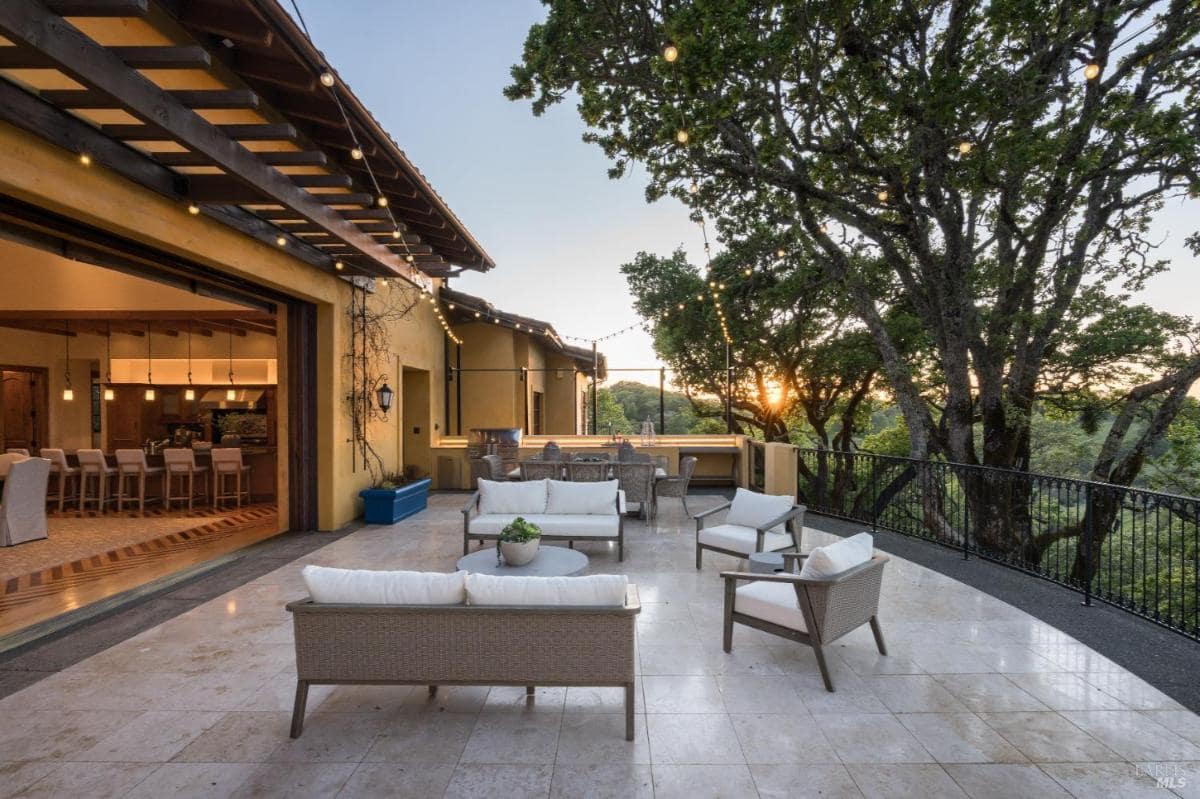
(99, 8)
(279, 158)
(185, 57)
(32, 25)
(280, 131)
(189, 98)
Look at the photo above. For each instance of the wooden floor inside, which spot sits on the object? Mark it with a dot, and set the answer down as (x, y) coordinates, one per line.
(46, 592)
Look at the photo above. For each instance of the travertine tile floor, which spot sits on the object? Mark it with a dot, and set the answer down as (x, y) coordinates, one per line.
(977, 699)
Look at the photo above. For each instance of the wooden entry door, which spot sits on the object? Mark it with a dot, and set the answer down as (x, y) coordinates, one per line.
(23, 408)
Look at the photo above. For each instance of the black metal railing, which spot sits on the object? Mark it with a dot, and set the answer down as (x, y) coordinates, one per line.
(758, 465)
(1135, 549)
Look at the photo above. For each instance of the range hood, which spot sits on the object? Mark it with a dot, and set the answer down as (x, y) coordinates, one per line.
(243, 398)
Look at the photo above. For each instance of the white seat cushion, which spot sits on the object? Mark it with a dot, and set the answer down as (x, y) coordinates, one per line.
(742, 539)
(833, 559)
(521, 498)
(770, 601)
(580, 526)
(598, 498)
(603, 590)
(750, 509)
(366, 587)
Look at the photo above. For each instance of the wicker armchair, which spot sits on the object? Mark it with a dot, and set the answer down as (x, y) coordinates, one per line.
(677, 486)
(637, 481)
(625, 452)
(489, 467)
(807, 611)
(541, 470)
(551, 452)
(588, 472)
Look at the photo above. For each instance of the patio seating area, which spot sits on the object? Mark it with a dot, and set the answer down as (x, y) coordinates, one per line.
(975, 698)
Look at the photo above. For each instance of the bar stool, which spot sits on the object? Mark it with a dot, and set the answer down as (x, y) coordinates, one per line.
(227, 463)
(131, 465)
(67, 475)
(181, 463)
(93, 465)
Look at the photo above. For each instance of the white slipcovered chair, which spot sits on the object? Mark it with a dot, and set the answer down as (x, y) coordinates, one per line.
(754, 523)
(92, 465)
(67, 476)
(23, 504)
(227, 465)
(132, 467)
(180, 464)
(7, 460)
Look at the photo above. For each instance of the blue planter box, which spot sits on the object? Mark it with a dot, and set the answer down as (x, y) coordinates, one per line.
(390, 505)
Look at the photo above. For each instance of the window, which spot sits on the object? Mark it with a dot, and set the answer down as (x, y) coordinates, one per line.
(539, 401)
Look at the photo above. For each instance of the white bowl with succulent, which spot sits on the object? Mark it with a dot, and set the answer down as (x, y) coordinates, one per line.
(519, 541)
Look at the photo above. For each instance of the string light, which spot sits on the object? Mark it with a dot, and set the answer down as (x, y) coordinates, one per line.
(964, 148)
(882, 195)
(1091, 71)
(356, 153)
(694, 188)
(281, 241)
(749, 271)
(670, 53)
(381, 201)
(327, 79)
(781, 253)
(85, 159)
(193, 209)
(338, 265)
(824, 228)
(396, 233)
(681, 136)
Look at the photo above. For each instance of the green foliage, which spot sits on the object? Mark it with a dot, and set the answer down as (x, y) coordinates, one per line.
(519, 530)
(892, 440)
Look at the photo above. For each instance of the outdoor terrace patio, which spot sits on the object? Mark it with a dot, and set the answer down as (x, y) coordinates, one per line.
(977, 698)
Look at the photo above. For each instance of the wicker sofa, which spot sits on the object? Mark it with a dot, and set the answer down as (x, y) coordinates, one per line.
(561, 643)
(565, 511)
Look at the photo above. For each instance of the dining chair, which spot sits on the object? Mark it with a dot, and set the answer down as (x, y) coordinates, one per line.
(637, 481)
(588, 472)
(541, 470)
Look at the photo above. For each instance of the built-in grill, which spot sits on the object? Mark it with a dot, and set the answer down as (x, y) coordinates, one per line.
(502, 441)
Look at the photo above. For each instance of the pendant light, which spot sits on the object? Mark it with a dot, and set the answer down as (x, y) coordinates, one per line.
(231, 392)
(68, 392)
(150, 395)
(109, 393)
(189, 393)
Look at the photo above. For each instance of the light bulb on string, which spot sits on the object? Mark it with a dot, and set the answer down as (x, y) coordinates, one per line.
(748, 272)
(396, 233)
(356, 153)
(681, 136)
(780, 253)
(85, 159)
(381, 201)
(327, 79)
(882, 195)
(1091, 71)
(338, 265)
(281, 241)
(693, 188)
(964, 148)
(193, 209)
(670, 53)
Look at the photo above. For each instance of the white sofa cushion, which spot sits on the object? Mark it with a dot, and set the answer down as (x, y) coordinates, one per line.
(581, 526)
(742, 539)
(750, 509)
(366, 587)
(833, 559)
(770, 601)
(591, 499)
(521, 498)
(605, 590)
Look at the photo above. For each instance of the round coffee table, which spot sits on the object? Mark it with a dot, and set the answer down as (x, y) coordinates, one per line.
(550, 562)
